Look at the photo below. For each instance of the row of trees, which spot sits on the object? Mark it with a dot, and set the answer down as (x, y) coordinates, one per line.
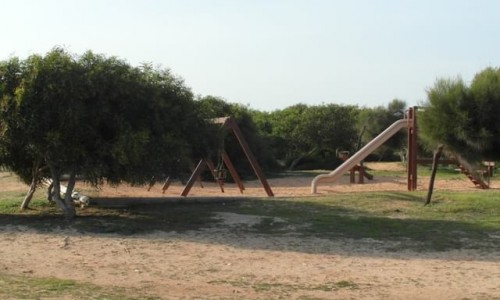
(104, 120)
(308, 137)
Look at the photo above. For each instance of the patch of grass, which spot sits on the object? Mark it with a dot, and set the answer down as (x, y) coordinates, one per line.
(443, 172)
(262, 286)
(23, 287)
(455, 220)
(334, 286)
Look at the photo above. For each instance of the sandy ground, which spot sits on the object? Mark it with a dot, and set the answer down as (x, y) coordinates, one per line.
(214, 263)
(292, 186)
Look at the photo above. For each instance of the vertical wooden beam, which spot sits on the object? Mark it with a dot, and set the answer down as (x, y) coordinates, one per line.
(435, 162)
(230, 123)
(232, 171)
(361, 175)
(412, 149)
(196, 173)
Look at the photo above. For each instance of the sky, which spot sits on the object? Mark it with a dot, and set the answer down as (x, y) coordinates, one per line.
(271, 54)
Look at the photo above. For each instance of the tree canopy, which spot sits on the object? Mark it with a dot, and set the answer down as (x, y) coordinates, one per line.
(465, 117)
(372, 121)
(311, 133)
(94, 116)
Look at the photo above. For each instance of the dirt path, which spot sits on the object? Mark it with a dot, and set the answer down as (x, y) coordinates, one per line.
(215, 264)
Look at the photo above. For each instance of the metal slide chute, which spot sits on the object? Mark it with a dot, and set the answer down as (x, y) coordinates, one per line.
(378, 141)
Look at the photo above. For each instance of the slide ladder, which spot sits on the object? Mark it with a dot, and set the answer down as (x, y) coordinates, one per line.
(467, 169)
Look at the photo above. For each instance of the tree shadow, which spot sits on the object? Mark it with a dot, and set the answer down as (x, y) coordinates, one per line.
(281, 225)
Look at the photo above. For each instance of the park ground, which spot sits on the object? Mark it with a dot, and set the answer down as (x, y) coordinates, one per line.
(369, 241)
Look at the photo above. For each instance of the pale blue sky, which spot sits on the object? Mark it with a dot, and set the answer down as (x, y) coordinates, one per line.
(273, 54)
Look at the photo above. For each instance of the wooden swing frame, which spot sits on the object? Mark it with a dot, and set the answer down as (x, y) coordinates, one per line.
(230, 125)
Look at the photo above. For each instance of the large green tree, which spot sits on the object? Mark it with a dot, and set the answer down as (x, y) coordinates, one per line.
(313, 133)
(93, 116)
(464, 118)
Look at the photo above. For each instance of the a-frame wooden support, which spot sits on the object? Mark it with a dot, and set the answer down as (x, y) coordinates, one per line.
(232, 170)
(230, 124)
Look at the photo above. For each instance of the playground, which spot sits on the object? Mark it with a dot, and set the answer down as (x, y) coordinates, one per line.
(299, 247)
(390, 177)
(297, 235)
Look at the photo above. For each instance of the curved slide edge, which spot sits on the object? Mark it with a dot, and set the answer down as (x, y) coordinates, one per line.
(378, 141)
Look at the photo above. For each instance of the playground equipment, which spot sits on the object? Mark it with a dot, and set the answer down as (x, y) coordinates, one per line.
(360, 169)
(360, 155)
(409, 122)
(219, 172)
(466, 168)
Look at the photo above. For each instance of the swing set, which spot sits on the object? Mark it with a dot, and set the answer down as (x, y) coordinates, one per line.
(224, 165)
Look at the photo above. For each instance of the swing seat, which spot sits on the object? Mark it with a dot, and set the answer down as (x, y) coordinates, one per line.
(220, 174)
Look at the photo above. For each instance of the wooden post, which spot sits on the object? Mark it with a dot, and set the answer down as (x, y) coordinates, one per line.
(230, 123)
(232, 171)
(196, 173)
(166, 185)
(412, 149)
(361, 175)
(435, 162)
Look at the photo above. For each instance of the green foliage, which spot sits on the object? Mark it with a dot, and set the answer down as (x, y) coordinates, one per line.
(95, 116)
(311, 134)
(465, 118)
(373, 121)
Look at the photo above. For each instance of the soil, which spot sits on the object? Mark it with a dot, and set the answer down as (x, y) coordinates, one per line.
(214, 263)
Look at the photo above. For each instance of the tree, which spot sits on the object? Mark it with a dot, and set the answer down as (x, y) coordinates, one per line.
(94, 116)
(464, 118)
(373, 121)
(285, 132)
(314, 132)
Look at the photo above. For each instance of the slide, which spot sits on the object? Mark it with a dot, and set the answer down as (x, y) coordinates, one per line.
(360, 155)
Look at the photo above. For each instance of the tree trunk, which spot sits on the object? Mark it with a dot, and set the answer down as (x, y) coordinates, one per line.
(435, 161)
(27, 199)
(29, 195)
(360, 137)
(66, 206)
(68, 198)
(296, 161)
(35, 177)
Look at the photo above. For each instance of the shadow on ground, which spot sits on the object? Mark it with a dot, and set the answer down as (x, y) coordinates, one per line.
(278, 224)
